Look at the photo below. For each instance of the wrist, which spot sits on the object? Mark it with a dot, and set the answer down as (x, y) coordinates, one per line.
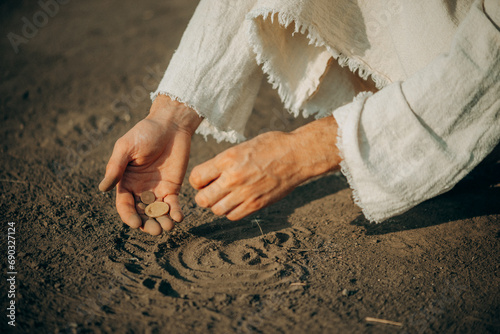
(173, 113)
(316, 147)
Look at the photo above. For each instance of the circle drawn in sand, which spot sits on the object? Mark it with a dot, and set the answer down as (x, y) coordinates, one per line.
(231, 257)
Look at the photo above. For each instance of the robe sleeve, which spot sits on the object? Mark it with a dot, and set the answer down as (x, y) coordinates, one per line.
(416, 139)
(214, 70)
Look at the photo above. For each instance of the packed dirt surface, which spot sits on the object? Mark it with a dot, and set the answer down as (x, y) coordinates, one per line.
(309, 264)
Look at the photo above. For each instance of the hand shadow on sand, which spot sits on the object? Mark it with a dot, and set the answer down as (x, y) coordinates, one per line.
(272, 218)
(475, 196)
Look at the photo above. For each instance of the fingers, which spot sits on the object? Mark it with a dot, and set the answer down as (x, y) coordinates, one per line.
(125, 205)
(203, 174)
(175, 208)
(166, 223)
(152, 227)
(155, 226)
(227, 204)
(211, 194)
(115, 168)
(242, 210)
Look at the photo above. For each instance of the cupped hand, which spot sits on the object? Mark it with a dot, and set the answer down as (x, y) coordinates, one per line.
(152, 156)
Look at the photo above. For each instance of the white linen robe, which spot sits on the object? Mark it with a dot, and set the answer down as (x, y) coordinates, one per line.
(436, 64)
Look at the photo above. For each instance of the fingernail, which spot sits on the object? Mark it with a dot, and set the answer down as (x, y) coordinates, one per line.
(177, 216)
(102, 186)
(166, 223)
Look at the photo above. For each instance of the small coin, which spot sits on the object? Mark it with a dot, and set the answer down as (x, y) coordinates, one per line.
(157, 209)
(148, 197)
(140, 208)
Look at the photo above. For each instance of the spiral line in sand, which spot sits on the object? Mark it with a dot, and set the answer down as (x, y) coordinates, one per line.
(209, 262)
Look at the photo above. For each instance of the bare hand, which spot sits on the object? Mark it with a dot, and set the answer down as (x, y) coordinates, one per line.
(257, 173)
(153, 156)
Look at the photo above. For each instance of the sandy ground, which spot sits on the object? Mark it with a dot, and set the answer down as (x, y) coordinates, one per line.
(310, 263)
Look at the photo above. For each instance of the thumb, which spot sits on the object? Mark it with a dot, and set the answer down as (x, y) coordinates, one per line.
(115, 168)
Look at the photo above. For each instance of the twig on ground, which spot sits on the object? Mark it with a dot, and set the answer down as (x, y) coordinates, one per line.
(304, 249)
(383, 321)
(257, 221)
(298, 284)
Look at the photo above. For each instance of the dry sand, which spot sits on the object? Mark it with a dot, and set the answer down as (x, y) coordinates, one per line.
(309, 263)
